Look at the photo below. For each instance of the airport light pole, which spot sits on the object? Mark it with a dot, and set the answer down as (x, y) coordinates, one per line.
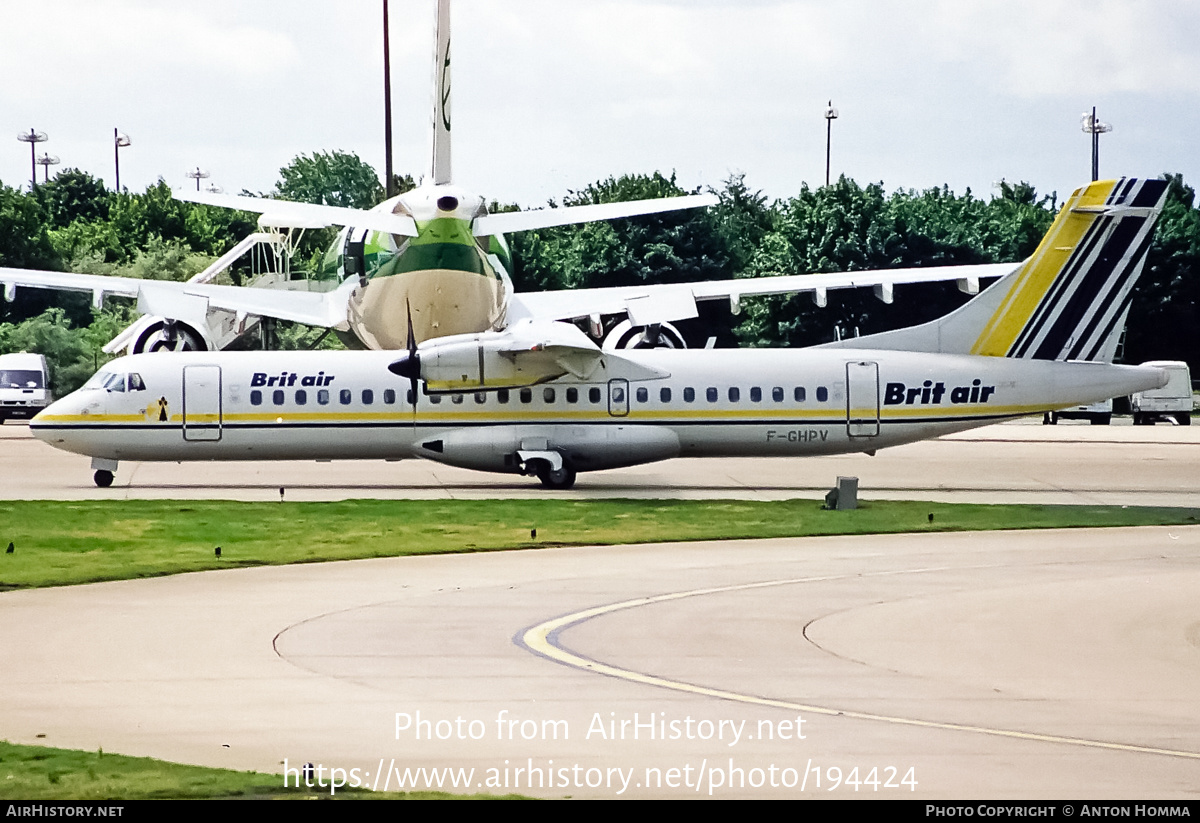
(831, 114)
(120, 141)
(46, 161)
(33, 138)
(388, 185)
(1095, 128)
(198, 175)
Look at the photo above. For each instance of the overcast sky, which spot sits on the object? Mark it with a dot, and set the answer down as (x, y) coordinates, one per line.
(550, 95)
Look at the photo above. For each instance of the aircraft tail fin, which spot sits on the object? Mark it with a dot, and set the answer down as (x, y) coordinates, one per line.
(440, 170)
(1066, 302)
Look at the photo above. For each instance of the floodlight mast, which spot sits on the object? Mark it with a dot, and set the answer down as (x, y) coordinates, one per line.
(388, 186)
(831, 114)
(198, 175)
(120, 141)
(33, 138)
(1090, 125)
(46, 161)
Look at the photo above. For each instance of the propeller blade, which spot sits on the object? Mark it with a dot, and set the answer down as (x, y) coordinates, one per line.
(413, 359)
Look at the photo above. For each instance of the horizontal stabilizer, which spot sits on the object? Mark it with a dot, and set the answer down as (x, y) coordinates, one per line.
(286, 214)
(506, 222)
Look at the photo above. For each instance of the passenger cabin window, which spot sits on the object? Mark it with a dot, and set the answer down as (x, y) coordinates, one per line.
(277, 397)
(735, 394)
(822, 394)
(368, 397)
(777, 394)
(572, 395)
(594, 394)
(435, 399)
(711, 394)
(389, 397)
(664, 395)
(502, 395)
(548, 395)
(798, 394)
(301, 397)
(480, 398)
(456, 399)
(689, 394)
(323, 397)
(255, 398)
(345, 397)
(526, 395)
(643, 395)
(755, 395)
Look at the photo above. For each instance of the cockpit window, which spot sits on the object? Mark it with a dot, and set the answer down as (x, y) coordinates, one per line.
(111, 381)
(98, 380)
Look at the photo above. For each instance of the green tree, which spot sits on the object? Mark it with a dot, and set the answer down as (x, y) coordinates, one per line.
(847, 227)
(330, 179)
(670, 247)
(73, 195)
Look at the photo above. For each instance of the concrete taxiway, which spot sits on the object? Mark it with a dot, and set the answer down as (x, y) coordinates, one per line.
(1018, 462)
(1000, 665)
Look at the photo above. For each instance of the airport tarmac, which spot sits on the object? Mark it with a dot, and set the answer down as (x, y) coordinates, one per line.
(1000, 665)
(991, 665)
(1020, 462)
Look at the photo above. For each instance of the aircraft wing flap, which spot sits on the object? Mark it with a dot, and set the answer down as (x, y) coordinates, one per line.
(324, 309)
(169, 298)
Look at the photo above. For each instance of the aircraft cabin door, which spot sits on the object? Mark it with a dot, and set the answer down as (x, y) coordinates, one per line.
(862, 399)
(618, 397)
(201, 402)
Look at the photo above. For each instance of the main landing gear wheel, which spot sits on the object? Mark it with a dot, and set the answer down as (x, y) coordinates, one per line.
(103, 478)
(564, 478)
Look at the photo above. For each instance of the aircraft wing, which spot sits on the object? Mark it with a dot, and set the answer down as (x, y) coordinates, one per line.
(650, 304)
(286, 214)
(183, 300)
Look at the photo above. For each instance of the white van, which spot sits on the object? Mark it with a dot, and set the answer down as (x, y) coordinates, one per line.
(24, 385)
(1172, 402)
(1098, 414)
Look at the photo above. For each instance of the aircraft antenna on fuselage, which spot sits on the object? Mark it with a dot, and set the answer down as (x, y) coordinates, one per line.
(440, 173)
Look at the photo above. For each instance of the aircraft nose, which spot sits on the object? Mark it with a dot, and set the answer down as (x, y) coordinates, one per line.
(48, 424)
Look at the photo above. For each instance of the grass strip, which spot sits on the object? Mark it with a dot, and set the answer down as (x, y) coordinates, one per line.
(44, 773)
(69, 542)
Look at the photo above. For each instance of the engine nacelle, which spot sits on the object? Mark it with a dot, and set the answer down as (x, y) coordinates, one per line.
(522, 355)
(625, 335)
(478, 363)
(584, 448)
(163, 334)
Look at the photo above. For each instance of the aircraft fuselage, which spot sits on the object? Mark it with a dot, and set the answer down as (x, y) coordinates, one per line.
(452, 281)
(756, 402)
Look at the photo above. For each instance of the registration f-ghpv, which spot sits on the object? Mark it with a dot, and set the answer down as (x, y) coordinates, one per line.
(541, 398)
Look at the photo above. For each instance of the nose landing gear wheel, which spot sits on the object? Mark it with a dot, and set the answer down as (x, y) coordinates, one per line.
(564, 478)
(103, 478)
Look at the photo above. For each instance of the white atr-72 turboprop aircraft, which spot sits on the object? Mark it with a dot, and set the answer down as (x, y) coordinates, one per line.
(433, 261)
(542, 398)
